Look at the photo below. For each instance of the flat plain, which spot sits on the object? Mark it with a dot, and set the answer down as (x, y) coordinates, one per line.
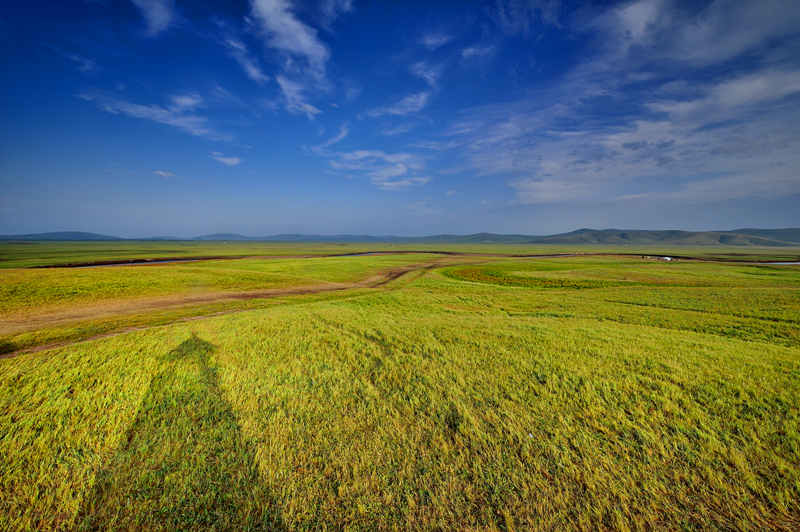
(276, 386)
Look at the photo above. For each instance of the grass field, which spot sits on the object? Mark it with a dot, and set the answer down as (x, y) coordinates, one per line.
(425, 392)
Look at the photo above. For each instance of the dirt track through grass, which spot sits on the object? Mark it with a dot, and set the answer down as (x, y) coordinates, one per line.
(60, 326)
(374, 281)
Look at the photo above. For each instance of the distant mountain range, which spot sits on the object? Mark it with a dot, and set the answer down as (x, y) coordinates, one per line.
(736, 237)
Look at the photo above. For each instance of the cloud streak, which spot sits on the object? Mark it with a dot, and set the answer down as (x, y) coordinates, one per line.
(704, 137)
(428, 73)
(249, 64)
(226, 160)
(435, 40)
(294, 98)
(158, 14)
(320, 149)
(284, 32)
(385, 170)
(412, 103)
(176, 115)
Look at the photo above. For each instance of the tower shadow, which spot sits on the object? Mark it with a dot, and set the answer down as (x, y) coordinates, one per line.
(183, 464)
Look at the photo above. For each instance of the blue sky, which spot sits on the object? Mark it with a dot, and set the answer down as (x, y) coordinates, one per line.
(157, 117)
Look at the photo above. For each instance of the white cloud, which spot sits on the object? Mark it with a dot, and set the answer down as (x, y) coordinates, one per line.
(360, 155)
(177, 117)
(519, 17)
(388, 171)
(410, 104)
(158, 14)
(401, 183)
(428, 73)
(227, 160)
(733, 130)
(185, 102)
(344, 130)
(398, 129)
(672, 137)
(435, 40)
(249, 64)
(437, 145)
(222, 94)
(664, 29)
(84, 64)
(474, 52)
(735, 94)
(286, 33)
(332, 9)
(294, 99)
(163, 173)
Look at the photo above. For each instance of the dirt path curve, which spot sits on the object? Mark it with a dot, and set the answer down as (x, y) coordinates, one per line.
(375, 281)
(31, 323)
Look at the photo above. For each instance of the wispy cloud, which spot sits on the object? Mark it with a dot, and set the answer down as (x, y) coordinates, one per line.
(332, 9)
(385, 170)
(163, 173)
(284, 32)
(249, 64)
(173, 115)
(185, 102)
(226, 160)
(708, 136)
(516, 17)
(158, 14)
(700, 36)
(435, 40)
(398, 129)
(475, 52)
(84, 64)
(294, 98)
(221, 94)
(402, 183)
(412, 103)
(427, 72)
(344, 130)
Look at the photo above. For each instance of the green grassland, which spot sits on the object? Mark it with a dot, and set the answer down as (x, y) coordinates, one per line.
(26, 254)
(484, 393)
(47, 305)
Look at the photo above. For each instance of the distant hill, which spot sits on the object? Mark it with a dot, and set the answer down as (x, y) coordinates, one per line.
(757, 237)
(616, 237)
(59, 236)
(223, 236)
(785, 235)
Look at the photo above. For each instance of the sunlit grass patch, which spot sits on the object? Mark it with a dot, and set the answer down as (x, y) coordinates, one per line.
(428, 403)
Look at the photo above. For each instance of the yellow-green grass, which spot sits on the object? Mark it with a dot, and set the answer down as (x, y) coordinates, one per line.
(21, 255)
(39, 290)
(39, 306)
(667, 398)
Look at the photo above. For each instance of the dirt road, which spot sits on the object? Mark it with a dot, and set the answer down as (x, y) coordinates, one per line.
(122, 308)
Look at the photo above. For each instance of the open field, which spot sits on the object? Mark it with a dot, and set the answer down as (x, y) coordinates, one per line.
(26, 254)
(421, 391)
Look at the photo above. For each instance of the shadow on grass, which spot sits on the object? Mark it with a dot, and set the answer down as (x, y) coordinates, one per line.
(184, 464)
(7, 347)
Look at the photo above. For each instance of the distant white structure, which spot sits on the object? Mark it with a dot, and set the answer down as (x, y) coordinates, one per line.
(668, 259)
